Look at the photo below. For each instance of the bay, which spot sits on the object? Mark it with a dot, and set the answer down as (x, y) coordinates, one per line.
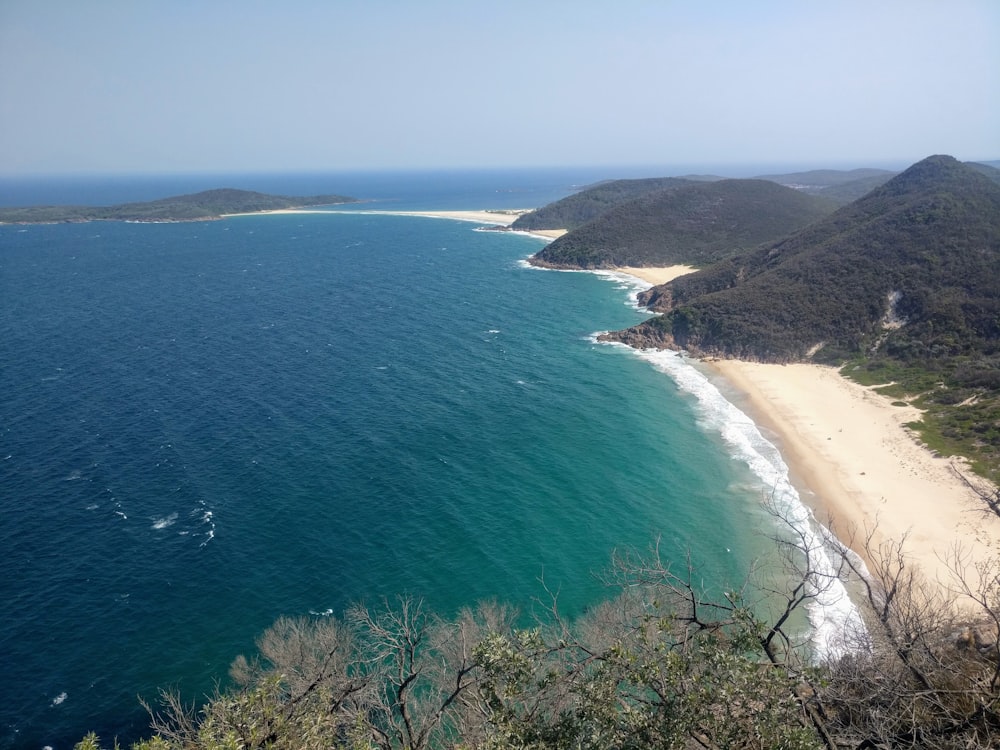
(206, 426)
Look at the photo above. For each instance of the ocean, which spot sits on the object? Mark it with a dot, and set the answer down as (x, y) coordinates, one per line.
(205, 426)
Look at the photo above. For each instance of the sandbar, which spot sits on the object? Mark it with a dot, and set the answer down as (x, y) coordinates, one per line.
(861, 469)
(495, 218)
(499, 218)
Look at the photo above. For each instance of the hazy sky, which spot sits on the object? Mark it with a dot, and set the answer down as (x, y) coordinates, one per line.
(218, 86)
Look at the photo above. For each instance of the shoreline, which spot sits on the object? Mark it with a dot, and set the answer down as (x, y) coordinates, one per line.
(657, 275)
(855, 463)
(861, 470)
(498, 218)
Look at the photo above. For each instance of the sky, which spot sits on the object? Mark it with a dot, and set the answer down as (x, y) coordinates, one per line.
(140, 86)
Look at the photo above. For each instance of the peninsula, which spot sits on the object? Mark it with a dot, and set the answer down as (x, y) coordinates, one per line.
(203, 206)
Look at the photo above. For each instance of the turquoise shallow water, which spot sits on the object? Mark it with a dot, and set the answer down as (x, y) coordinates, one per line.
(206, 426)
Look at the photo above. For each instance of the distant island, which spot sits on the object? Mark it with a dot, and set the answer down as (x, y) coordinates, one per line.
(203, 206)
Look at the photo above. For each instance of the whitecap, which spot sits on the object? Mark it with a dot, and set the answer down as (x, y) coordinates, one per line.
(59, 699)
(207, 518)
(166, 521)
(833, 617)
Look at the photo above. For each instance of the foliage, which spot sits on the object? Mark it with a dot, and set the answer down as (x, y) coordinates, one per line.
(695, 224)
(209, 204)
(579, 208)
(660, 665)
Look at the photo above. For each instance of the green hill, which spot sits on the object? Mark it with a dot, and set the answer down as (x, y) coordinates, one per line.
(579, 208)
(696, 223)
(209, 204)
(903, 282)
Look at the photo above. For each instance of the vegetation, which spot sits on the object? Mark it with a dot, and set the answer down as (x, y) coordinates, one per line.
(661, 665)
(697, 223)
(210, 204)
(579, 208)
(990, 169)
(838, 187)
(902, 284)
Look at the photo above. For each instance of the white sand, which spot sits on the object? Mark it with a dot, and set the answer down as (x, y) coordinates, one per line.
(500, 217)
(497, 218)
(658, 275)
(848, 446)
(857, 464)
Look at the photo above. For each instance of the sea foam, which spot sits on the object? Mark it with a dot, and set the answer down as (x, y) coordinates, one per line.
(166, 521)
(834, 619)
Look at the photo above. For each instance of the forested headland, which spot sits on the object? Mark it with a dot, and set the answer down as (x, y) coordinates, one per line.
(691, 223)
(208, 204)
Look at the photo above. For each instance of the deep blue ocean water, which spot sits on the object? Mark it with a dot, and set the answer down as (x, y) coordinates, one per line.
(207, 425)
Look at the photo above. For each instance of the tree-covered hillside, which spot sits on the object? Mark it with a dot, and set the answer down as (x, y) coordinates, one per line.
(905, 282)
(579, 208)
(695, 224)
(989, 170)
(209, 204)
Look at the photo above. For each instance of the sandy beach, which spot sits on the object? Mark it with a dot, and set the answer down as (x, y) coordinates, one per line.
(657, 275)
(861, 468)
(501, 218)
(856, 463)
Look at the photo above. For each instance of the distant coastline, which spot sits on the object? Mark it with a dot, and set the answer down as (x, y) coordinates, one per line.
(207, 205)
(497, 220)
